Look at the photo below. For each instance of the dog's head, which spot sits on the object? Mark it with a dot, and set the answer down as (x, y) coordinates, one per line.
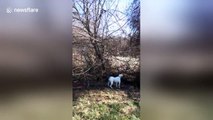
(120, 75)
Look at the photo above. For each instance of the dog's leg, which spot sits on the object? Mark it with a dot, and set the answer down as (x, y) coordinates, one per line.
(119, 84)
(111, 84)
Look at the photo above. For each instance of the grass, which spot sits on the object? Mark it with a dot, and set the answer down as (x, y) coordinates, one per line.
(106, 104)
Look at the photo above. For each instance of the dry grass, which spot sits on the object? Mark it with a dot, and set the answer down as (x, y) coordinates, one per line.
(106, 104)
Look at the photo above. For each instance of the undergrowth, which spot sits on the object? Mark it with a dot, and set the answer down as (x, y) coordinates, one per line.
(105, 104)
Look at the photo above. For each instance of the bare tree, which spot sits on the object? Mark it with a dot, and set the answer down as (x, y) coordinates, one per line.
(134, 22)
(93, 24)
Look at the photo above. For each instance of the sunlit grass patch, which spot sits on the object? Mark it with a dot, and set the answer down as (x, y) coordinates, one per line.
(106, 105)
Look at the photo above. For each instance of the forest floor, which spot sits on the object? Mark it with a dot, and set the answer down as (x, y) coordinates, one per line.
(106, 104)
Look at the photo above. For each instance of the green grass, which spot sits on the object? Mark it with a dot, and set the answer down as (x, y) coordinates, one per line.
(105, 105)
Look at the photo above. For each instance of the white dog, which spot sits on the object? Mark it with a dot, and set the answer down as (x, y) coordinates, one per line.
(117, 80)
